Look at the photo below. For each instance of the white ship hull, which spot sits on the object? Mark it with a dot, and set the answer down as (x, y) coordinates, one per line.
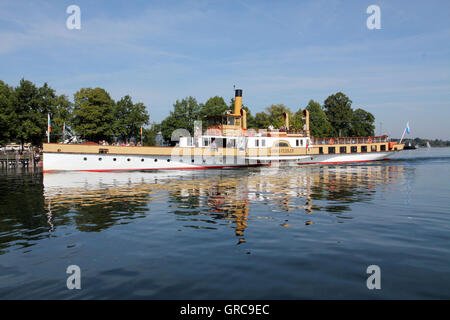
(345, 158)
(129, 162)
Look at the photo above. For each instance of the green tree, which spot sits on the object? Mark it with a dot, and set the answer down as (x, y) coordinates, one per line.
(273, 116)
(362, 124)
(93, 114)
(296, 121)
(6, 130)
(150, 134)
(213, 107)
(61, 114)
(318, 123)
(338, 108)
(128, 118)
(184, 113)
(30, 108)
(262, 120)
(275, 113)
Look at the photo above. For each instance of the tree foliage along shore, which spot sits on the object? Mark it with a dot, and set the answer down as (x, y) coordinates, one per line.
(95, 116)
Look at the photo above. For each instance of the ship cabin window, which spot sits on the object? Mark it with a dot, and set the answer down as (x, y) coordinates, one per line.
(256, 143)
(189, 142)
(373, 148)
(263, 142)
(342, 149)
(353, 149)
(282, 144)
(231, 143)
(383, 147)
(363, 148)
(331, 149)
(321, 150)
(205, 142)
(297, 142)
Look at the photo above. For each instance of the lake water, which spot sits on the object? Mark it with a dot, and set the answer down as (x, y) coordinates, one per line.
(263, 233)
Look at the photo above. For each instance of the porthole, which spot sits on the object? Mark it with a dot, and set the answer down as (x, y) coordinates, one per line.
(142, 160)
(114, 159)
(99, 159)
(192, 160)
(84, 158)
(168, 160)
(156, 160)
(128, 159)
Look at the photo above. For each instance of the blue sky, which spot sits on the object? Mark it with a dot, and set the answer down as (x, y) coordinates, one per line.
(276, 51)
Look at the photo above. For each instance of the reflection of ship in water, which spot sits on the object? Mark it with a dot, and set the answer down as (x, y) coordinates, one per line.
(204, 200)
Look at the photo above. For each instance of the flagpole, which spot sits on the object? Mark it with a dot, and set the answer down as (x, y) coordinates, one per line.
(48, 128)
(141, 136)
(404, 131)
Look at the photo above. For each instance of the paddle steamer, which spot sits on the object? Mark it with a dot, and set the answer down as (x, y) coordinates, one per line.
(228, 144)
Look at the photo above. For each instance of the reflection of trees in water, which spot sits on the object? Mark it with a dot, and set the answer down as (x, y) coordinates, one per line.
(21, 207)
(217, 201)
(28, 214)
(100, 216)
(197, 201)
(202, 202)
(97, 210)
(330, 189)
(348, 185)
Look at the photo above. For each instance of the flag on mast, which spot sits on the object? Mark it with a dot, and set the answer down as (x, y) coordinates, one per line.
(405, 131)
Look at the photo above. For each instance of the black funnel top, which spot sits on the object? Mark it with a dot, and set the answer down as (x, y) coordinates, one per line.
(238, 93)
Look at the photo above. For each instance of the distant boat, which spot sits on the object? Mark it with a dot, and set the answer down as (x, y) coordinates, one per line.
(409, 147)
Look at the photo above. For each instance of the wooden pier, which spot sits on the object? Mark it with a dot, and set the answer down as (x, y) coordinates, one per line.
(17, 161)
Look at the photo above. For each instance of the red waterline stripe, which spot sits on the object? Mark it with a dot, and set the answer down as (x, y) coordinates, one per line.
(177, 168)
(341, 161)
